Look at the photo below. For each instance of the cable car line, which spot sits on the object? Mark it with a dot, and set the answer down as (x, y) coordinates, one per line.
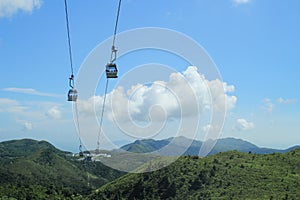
(111, 67)
(113, 56)
(72, 94)
(78, 130)
(101, 117)
(69, 39)
(117, 21)
(111, 72)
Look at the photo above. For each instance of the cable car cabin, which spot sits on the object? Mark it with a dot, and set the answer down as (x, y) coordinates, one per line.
(88, 158)
(111, 70)
(81, 154)
(72, 95)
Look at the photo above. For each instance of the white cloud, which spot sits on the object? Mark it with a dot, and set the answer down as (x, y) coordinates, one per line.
(11, 106)
(10, 7)
(286, 101)
(27, 126)
(207, 128)
(22, 117)
(4, 102)
(29, 91)
(243, 125)
(228, 88)
(239, 2)
(178, 97)
(268, 105)
(33, 111)
(219, 94)
(54, 112)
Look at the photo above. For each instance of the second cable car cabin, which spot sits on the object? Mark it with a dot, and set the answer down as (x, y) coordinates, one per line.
(111, 70)
(72, 95)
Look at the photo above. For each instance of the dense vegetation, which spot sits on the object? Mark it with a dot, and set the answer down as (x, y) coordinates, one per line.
(36, 170)
(229, 175)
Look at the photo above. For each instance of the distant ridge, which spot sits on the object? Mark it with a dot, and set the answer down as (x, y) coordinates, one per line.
(222, 145)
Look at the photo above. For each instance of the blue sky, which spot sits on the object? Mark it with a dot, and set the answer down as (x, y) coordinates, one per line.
(255, 45)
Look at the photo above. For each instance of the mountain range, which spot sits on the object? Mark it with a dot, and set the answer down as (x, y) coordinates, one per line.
(31, 169)
(180, 144)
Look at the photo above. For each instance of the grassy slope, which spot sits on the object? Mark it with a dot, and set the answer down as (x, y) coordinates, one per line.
(229, 175)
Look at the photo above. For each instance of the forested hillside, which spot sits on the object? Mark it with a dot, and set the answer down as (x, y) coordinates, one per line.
(229, 175)
(37, 170)
(32, 169)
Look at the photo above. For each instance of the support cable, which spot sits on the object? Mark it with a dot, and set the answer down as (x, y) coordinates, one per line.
(69, 39)
(78, 127)
(113, 57)
(71, 81)
(101, 116)
(71, 84)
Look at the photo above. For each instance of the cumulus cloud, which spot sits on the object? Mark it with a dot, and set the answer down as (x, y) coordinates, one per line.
(29, 91)
(239, 2)
(286, 101)
(228, 88)
(54, 112)
(243, 125)
(10, 7)
(185, 94)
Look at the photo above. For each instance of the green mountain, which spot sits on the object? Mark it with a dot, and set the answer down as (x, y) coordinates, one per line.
(32, 169)
(227, 175)
(38, 168)
(143, 146)
(178, 144)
